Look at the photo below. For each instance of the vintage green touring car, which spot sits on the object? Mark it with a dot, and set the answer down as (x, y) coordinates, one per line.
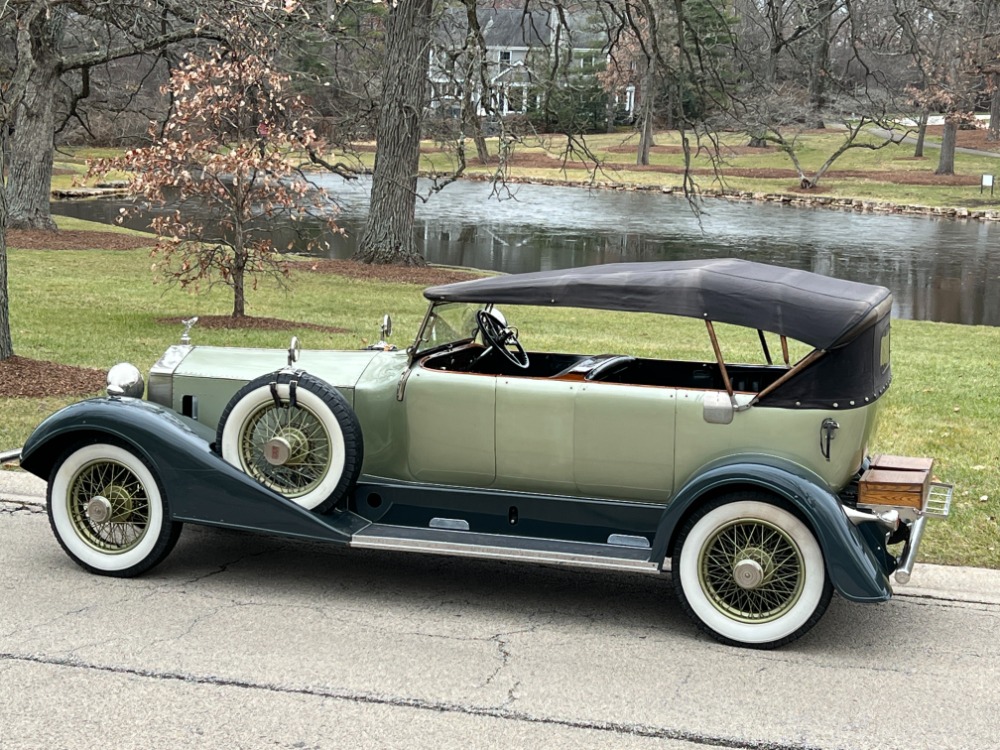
(749, 482)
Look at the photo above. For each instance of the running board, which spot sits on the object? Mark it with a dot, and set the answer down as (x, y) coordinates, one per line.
(501, 547)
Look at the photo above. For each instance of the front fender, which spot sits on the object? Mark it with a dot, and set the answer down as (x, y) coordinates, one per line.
(199, 485)
(852, 565)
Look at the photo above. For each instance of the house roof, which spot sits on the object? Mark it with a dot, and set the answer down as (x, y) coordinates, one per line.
(818, 310)
(505, 28)
(508, 28)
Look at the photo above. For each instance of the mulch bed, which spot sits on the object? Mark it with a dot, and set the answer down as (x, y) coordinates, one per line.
(36, 239)
(248, 322)
(965, 139)
(32, 378)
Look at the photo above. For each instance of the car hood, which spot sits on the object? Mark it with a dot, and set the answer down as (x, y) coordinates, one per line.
(341, 369)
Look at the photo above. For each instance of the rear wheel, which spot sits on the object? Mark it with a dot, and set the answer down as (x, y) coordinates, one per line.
(108, 511)
(296, 435)
(750, 573)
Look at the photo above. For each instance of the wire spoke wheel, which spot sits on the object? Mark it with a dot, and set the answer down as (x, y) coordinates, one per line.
(108, 506)
(108, 511)
(305, 438)
(752, 571)
(296, 435)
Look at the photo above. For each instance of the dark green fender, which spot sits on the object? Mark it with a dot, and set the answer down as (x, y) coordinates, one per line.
(853, 565)
(200, 487)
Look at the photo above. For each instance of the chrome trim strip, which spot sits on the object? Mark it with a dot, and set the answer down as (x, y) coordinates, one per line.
(909, 556)
(160, 389)
(452, 524)
(482, 551)
(629, 540)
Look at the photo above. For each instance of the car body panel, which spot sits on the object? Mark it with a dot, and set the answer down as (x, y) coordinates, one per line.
(450, 429)
(623, 439)
(214, 374)
(790, 434)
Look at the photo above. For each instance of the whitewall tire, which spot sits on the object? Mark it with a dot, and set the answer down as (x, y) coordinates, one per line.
(108, 510)
(296, 435)
(749, 572)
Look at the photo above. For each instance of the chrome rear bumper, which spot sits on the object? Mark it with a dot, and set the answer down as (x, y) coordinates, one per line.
(937, 505)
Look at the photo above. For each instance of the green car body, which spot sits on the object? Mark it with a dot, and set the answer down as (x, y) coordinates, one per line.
(743, 477)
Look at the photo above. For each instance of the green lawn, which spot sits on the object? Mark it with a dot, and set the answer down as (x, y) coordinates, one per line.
(548, 160)
(98, 307)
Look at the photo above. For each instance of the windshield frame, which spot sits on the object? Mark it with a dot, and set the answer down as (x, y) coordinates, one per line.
(427, 332)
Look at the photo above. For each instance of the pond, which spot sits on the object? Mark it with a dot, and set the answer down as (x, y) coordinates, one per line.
(941, 270)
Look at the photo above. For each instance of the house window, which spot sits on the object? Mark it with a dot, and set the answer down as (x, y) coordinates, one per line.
(504, 59)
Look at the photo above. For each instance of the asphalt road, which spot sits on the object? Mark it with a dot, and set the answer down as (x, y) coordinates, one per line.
(242, 641)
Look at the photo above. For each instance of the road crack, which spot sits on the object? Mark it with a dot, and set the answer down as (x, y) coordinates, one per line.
(506, 714)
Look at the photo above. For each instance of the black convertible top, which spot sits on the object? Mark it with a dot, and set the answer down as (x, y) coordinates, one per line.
(818, 310)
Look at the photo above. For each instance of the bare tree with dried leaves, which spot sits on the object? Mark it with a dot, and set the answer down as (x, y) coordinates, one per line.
(234, 145)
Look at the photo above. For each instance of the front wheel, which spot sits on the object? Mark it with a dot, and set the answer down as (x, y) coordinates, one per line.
(108, 511)
(750, 573)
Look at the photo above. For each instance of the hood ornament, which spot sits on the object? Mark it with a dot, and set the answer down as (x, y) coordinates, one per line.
(188, 325)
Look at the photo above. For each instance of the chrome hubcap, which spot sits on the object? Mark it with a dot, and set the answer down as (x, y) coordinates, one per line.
(748, 574)
(99, 509)
(288, 449)
(276, 451)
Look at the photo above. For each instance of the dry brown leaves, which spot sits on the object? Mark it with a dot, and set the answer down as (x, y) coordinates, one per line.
(36, 239)
(32, 378)
(250, 323)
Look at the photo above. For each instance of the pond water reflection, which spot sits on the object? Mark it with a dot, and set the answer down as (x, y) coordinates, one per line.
(937, 269)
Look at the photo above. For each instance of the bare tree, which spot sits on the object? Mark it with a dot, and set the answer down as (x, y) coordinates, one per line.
(229, 145)
(388, 236)
(17, 17)
(125, 29)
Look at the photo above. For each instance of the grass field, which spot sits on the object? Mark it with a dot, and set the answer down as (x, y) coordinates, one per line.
(96, 307)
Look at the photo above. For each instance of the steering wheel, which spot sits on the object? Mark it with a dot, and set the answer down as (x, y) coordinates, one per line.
(499, 337)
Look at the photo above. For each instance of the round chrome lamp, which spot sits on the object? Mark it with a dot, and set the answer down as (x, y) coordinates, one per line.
(125, 379)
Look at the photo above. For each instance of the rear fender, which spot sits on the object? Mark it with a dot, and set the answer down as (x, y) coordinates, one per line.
(851, 563)
(200, 486)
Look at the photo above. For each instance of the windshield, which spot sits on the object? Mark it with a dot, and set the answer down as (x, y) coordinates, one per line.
(446, 324)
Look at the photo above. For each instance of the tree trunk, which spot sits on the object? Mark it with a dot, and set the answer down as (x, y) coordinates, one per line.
(6, 343)
(472, 123)
(30, 170)
(947, 163)
(819, 14)
(239, 293)
(918, 152)
(388, 236)
(646, 117)
(993, 134)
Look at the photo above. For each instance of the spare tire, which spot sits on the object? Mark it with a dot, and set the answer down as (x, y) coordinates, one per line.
(296, 435)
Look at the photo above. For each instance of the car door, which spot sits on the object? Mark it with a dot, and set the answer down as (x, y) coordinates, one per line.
(450, 427)
(623, 439)
(534, 435)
